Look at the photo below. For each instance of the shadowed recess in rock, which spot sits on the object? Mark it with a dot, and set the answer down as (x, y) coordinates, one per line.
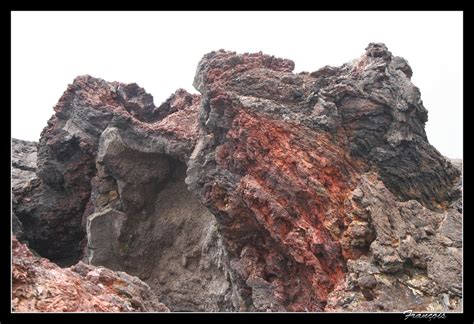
(270, 191)
(148, 224)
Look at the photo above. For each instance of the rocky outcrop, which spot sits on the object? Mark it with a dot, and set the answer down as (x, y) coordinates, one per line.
(111, 191)
(285, 161)
(409, 261)
(41, 286)
(155, 228)
(270, 191)
(68, 148)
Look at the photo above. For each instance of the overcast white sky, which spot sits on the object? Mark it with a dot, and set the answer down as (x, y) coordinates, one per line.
(160, 51)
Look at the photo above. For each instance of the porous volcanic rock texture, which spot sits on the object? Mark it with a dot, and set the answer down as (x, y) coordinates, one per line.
(324, 185)
(23, 162)
(110, 191)
(270, 191)
(23, 174)
(41, 286)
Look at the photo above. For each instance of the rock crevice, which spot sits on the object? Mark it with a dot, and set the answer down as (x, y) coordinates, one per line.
(270, 191)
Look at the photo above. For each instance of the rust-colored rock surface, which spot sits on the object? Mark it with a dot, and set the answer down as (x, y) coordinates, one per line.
(54, 204)
(270, 191)
(41, 286)
(110, 191)
(284, 162)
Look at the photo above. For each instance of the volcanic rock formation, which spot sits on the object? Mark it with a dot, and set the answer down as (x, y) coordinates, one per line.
(42, 286)
(112, 165)
(23, 173)
(270, 191)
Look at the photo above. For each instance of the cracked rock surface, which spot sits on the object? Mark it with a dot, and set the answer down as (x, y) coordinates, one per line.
(269, 191)
(41, 286)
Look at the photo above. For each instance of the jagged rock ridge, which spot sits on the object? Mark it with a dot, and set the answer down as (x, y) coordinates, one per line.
(112, 165)
(284, 160)
(322, 191)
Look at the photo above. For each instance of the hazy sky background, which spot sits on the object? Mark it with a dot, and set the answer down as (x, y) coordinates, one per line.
(160, 51)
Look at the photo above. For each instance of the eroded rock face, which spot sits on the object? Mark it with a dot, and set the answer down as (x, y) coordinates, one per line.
(111, 191)
(272, 191)
(23, 162)
(284, 160)
(413, 246)
(52, 208)
(147, 223)
(41, 286)
(23, 175)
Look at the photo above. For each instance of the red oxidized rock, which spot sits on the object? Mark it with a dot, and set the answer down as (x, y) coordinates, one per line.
(322, 191)
(111, 192)
(53, 210)
(41, 286)
(281, 164)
